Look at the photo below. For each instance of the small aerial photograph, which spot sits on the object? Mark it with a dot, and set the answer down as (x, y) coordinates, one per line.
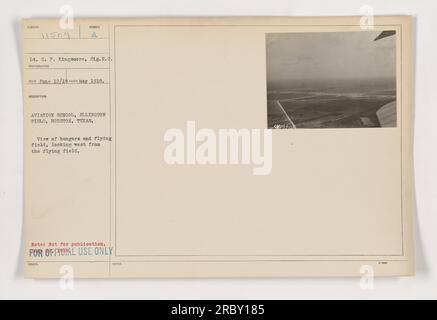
(331, 79)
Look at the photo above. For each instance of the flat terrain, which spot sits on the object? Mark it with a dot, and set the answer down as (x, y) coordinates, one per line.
(325, 110)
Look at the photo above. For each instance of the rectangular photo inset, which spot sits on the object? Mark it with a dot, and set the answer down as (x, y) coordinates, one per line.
(331, 79)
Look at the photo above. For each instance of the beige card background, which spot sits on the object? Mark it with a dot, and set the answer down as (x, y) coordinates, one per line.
(337, 199)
